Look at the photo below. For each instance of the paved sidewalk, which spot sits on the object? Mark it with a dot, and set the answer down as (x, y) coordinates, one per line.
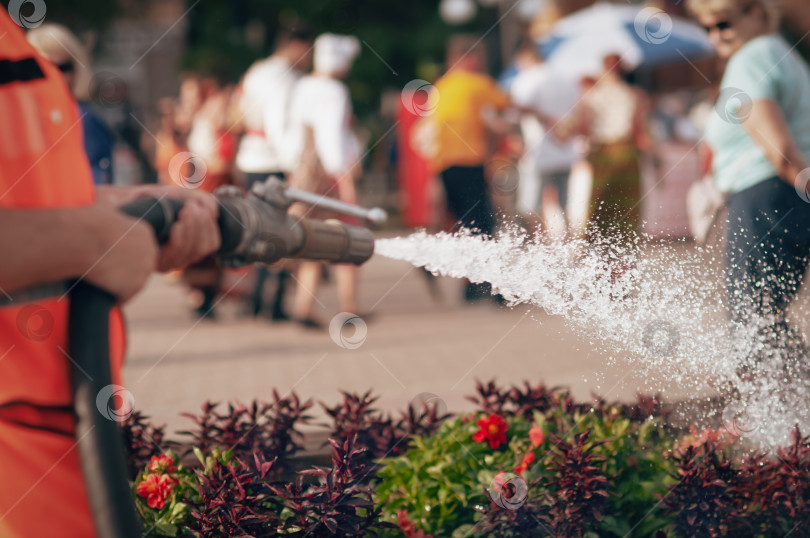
(413, 345)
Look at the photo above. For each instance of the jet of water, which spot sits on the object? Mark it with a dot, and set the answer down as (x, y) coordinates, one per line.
(659, 307)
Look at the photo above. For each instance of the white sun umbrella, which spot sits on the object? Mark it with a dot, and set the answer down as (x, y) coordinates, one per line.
(642, 36)
(582, 56)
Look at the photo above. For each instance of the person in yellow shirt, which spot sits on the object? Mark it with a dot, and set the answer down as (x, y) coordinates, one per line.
(466, 97)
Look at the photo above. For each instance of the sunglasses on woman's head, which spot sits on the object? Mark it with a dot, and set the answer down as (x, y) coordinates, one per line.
(721, 26)
(725, 25)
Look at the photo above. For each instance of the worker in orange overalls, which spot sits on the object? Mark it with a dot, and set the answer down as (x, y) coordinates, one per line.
(54, 225)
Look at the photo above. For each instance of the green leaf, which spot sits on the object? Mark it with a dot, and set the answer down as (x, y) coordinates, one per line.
(164, 528)
(179, 510)
(200, 456)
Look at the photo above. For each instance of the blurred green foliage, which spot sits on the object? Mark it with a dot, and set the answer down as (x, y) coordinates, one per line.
(441, 479)
(78, 15)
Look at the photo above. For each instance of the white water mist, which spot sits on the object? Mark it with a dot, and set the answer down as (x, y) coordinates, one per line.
(659, 307)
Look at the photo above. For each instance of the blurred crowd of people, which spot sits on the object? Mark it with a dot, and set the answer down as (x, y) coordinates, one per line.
(755, 151)
(501, 149)
(598, 123)
(289, 117)
(495, 149)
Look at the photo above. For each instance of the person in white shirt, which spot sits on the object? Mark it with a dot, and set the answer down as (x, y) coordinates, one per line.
(545, 167)
(266, 94)
(321, 140)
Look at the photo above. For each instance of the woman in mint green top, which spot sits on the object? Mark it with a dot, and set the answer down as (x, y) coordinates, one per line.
(759, 135)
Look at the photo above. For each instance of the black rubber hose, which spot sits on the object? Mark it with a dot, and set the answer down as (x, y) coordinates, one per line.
(101, 445)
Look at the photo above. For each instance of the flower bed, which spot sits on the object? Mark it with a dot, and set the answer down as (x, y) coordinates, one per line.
(529, 462)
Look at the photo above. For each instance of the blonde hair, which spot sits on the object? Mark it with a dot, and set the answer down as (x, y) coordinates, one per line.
(770, 9)
(59, 45)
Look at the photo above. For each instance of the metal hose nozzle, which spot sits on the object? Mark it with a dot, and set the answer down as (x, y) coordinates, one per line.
(334, 241)
(261, 230)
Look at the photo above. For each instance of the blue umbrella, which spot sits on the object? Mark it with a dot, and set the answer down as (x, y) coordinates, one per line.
(642, 36)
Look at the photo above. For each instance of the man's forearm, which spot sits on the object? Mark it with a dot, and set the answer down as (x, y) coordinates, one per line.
(117, 196)
(49, 245)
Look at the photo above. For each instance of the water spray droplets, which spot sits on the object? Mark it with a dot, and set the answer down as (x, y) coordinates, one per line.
(659, 307)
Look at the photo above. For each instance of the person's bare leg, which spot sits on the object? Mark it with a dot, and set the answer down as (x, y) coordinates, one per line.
(554, 219)
(347, 287)
(534, 223)
(309, 276)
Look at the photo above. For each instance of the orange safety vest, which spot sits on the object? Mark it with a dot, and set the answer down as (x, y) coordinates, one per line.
(42, 165)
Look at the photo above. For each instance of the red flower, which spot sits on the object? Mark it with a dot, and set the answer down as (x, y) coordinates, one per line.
(162, 464)
(493, 429)
(536, 435)
(156, 488)
(408, 527)
(504, 483)
(528, 459)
